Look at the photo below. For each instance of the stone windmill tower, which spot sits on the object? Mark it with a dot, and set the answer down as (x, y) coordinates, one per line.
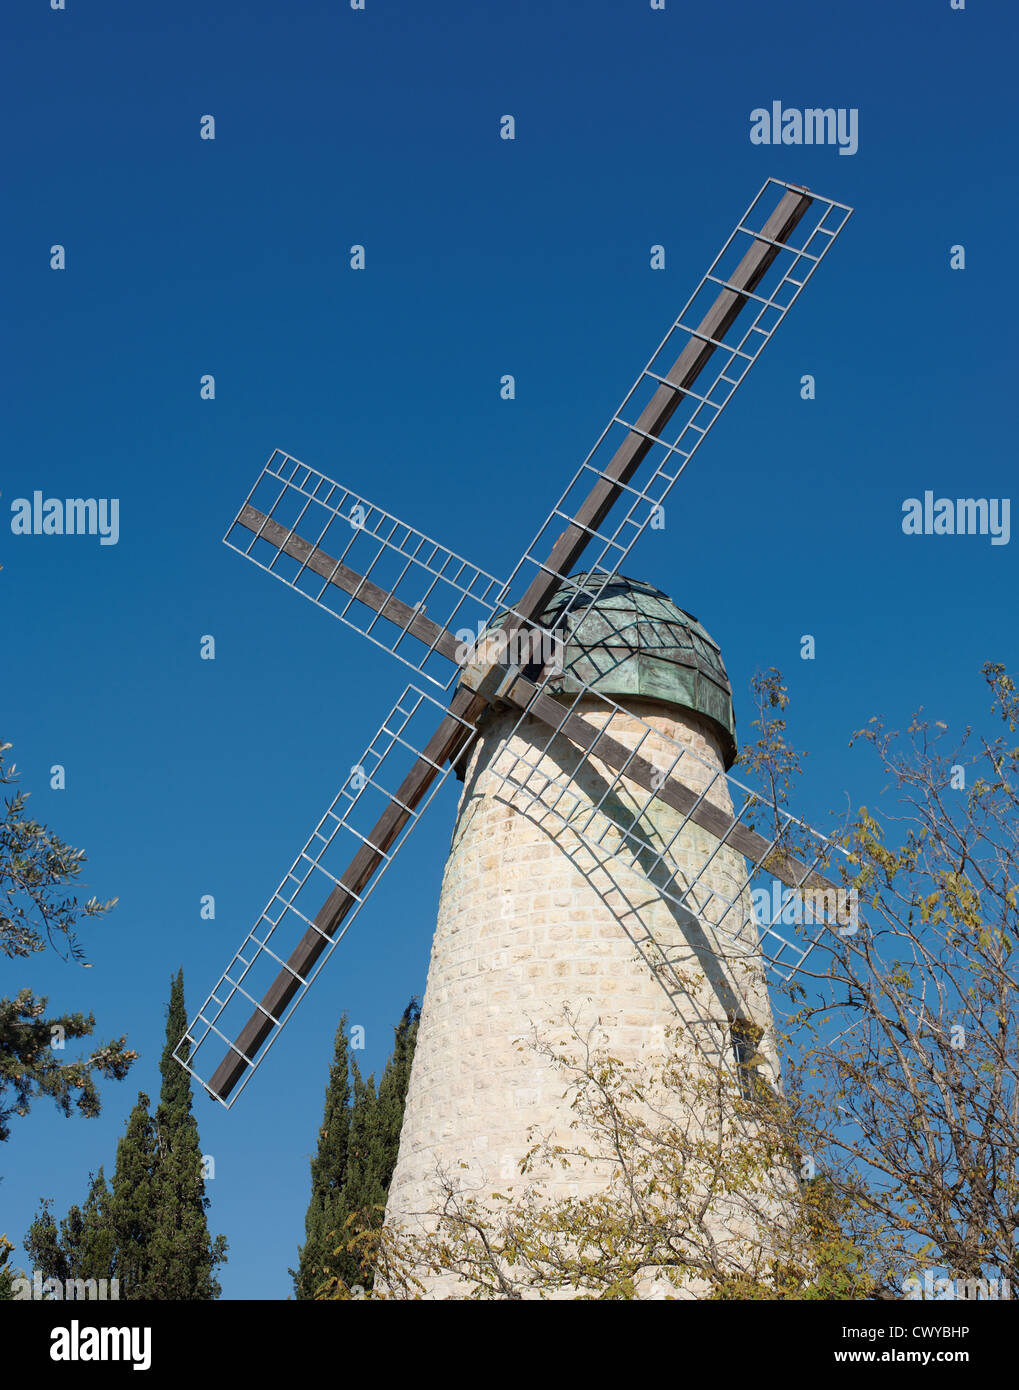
(539, 919)
(600, 850)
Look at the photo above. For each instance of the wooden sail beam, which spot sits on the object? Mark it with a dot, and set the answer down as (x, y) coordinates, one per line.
(311, 557)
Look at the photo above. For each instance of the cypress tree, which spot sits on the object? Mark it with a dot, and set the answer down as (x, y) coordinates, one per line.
(364, 1190)
(393, 1092)
(183, 1257)
(150, 1231)
(328, 1171)
(132, 1202)
(7, 1275)
(83, 1248)
(356, 1156)
(43, 1247)
(86, 1234)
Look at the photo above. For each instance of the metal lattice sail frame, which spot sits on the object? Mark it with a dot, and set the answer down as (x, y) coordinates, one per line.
(321, 894)
(381, 576)
(614, 824)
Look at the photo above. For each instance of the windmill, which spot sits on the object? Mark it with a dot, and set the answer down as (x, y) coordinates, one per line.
(514, 694)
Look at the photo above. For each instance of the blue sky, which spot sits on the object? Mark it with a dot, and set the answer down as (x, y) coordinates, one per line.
(484, 257)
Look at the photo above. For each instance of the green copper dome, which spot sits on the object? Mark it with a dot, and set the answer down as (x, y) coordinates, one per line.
(632, 641)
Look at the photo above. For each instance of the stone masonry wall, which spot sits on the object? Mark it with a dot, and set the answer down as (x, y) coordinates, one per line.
(532, 922)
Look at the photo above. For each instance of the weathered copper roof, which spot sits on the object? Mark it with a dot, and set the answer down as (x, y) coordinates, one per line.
(633, 641)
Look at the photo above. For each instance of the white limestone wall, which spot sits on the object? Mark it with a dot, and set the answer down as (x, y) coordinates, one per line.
(528, 925)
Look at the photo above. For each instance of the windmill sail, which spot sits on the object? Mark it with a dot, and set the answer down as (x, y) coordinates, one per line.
(384, 796)
(662, 419)
(378, 575)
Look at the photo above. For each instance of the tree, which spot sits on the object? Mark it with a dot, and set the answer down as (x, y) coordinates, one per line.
(392, 1096)
(355, 1159)
(182, 1255)
(36, 867)
(133, 1202)
(82, 1250)
(42, 1245)
(7, 1275)
(87, 1236)
(366, 1179)
(696, 1198)
(898, 1117)
(150, 1231)
(926, 1071)
(328, 1169)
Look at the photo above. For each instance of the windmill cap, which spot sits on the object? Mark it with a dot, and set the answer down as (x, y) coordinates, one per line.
(631, 641)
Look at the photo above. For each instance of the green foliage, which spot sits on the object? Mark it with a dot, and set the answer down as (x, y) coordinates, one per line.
(924, 1156)
(392, 1095)
(132, 1206)
(30, 1067)
(149, 1230)
(328, 1170)
(7, 1275)
(182, 1255)
(36, 867)
(898, 1085)
(367, 1178)
(356, 1156)
(83, 1247)
(823, 1265)
(698, 1196)
(770, 757)
(87, 1234)
(42, 1245)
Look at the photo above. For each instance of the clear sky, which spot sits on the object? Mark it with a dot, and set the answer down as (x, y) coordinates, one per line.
(483, 257)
